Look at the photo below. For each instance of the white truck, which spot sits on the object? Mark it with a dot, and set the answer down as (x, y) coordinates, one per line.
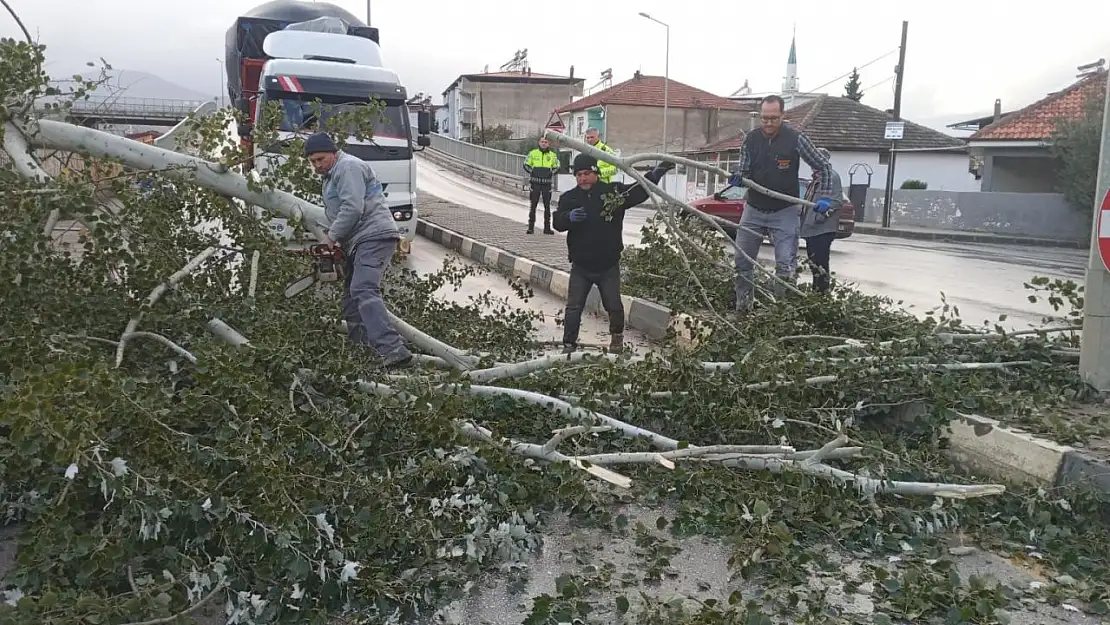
(299, 53)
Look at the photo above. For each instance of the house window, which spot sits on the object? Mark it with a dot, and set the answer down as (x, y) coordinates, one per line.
(580, 127)
(884, 158)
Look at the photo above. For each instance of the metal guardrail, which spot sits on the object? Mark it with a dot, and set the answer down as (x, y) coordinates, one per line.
(497, 160)
(144, 108)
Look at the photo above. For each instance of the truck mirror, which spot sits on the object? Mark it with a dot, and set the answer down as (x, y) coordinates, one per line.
(423, 141)
(423, 123)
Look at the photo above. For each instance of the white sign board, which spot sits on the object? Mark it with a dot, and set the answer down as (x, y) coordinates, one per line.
(894, 131)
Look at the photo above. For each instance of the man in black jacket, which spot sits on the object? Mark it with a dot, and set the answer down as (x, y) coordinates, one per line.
(592, 215)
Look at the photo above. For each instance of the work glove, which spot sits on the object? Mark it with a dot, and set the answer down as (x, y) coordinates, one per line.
(735, 180)
(822, 206)
(578, 215)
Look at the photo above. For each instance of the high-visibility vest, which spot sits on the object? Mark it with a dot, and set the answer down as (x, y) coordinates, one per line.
(606, 171)
(537, 158)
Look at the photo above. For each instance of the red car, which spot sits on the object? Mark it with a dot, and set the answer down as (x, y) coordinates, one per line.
(728, 204)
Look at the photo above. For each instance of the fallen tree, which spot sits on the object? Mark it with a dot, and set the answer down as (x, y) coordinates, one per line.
(175, 435)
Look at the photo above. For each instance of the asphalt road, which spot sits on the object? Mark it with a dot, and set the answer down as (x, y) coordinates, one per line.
(982, 281)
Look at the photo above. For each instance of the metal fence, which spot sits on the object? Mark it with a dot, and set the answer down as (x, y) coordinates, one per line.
(146, 108)
(497, 160)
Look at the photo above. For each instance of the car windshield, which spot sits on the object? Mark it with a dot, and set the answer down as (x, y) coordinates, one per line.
(302, 115)
(738, 193)
(733, 193)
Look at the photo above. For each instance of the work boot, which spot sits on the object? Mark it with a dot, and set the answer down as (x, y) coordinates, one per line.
(403, 363)
(569, 348)
(548, 230)
(616, 344)
(531, 230)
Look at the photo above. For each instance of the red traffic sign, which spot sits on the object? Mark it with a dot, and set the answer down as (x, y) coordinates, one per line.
(555, 123)
(1104, 231)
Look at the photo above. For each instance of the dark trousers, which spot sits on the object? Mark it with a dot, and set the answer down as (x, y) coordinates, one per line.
(818, 249)
(363, 308)
(608, 284)
(534, 198)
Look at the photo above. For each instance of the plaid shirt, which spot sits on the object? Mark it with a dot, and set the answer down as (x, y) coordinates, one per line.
(822, 168)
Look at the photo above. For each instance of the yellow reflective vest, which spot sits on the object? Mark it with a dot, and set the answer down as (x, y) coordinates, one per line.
(606, 171)
(541, 167)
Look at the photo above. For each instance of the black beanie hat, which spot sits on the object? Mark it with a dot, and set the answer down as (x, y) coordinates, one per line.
(319, 142)
(585, 162)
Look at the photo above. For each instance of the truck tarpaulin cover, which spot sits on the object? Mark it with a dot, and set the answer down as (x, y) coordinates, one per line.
(244, 38)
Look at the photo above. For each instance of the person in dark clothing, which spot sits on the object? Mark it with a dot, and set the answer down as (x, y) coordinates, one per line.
(819, 229)
(771, 158)
(592, 215)
(541, 165)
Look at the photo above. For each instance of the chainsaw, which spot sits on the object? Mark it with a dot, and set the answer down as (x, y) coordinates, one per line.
(329, 265)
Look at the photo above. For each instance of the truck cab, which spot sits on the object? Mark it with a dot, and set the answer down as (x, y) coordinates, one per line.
(313, 70)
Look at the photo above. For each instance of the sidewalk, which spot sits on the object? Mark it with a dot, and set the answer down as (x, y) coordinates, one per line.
(960, 236)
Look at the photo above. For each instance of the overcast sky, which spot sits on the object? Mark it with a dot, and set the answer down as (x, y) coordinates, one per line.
(960, 55)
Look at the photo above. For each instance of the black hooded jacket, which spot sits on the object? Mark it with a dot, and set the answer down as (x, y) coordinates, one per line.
(596, 243)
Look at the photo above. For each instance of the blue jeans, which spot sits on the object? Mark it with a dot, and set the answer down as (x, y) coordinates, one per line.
(782, 228)
(363, 307)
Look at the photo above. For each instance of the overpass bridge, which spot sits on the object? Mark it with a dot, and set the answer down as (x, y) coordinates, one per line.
(123, 111)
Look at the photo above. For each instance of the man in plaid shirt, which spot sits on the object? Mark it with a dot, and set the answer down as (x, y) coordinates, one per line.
(771, 158)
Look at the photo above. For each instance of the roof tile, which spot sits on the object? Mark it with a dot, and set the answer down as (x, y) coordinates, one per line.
(1037, 121)
(644, 90)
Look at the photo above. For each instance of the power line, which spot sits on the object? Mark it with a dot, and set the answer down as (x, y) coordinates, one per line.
(885, 80)
(847, 74)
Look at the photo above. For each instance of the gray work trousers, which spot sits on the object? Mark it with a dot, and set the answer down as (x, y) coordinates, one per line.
(782, 228)
(363, 308)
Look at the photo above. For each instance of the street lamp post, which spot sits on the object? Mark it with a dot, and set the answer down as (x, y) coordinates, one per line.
(666, 74)
(223, 89)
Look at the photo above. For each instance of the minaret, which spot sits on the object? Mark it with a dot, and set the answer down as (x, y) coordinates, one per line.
(790, 82)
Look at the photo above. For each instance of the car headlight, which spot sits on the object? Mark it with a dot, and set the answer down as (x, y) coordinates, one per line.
(397, 214)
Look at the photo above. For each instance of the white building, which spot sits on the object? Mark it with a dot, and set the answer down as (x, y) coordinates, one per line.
(853, 133)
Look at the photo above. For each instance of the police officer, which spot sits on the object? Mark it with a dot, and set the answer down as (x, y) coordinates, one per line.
(607, 170)
(771, 158)
(541, 165)
(592, 215)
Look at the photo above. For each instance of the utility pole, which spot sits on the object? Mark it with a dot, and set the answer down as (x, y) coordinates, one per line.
(900, 73)
(666, 75)
(368, 13)
(1094, 355)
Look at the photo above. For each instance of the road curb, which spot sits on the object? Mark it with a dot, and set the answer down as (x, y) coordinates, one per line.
(966, 237)
(648, 317)
(1081, 468)
(1011, 453)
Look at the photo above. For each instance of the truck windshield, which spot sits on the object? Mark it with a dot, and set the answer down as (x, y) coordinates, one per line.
(305, 113)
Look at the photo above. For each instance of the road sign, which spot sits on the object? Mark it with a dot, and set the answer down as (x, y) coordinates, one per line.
(555, 123)
(1104, 231)
(894, 131)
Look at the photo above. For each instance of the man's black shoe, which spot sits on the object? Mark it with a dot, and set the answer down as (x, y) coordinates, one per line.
(403, 363)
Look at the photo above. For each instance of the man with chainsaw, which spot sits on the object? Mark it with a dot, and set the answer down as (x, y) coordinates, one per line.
(360, 224)
(592, 215)
(541, 165)
(607, 170)
(771, 158)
